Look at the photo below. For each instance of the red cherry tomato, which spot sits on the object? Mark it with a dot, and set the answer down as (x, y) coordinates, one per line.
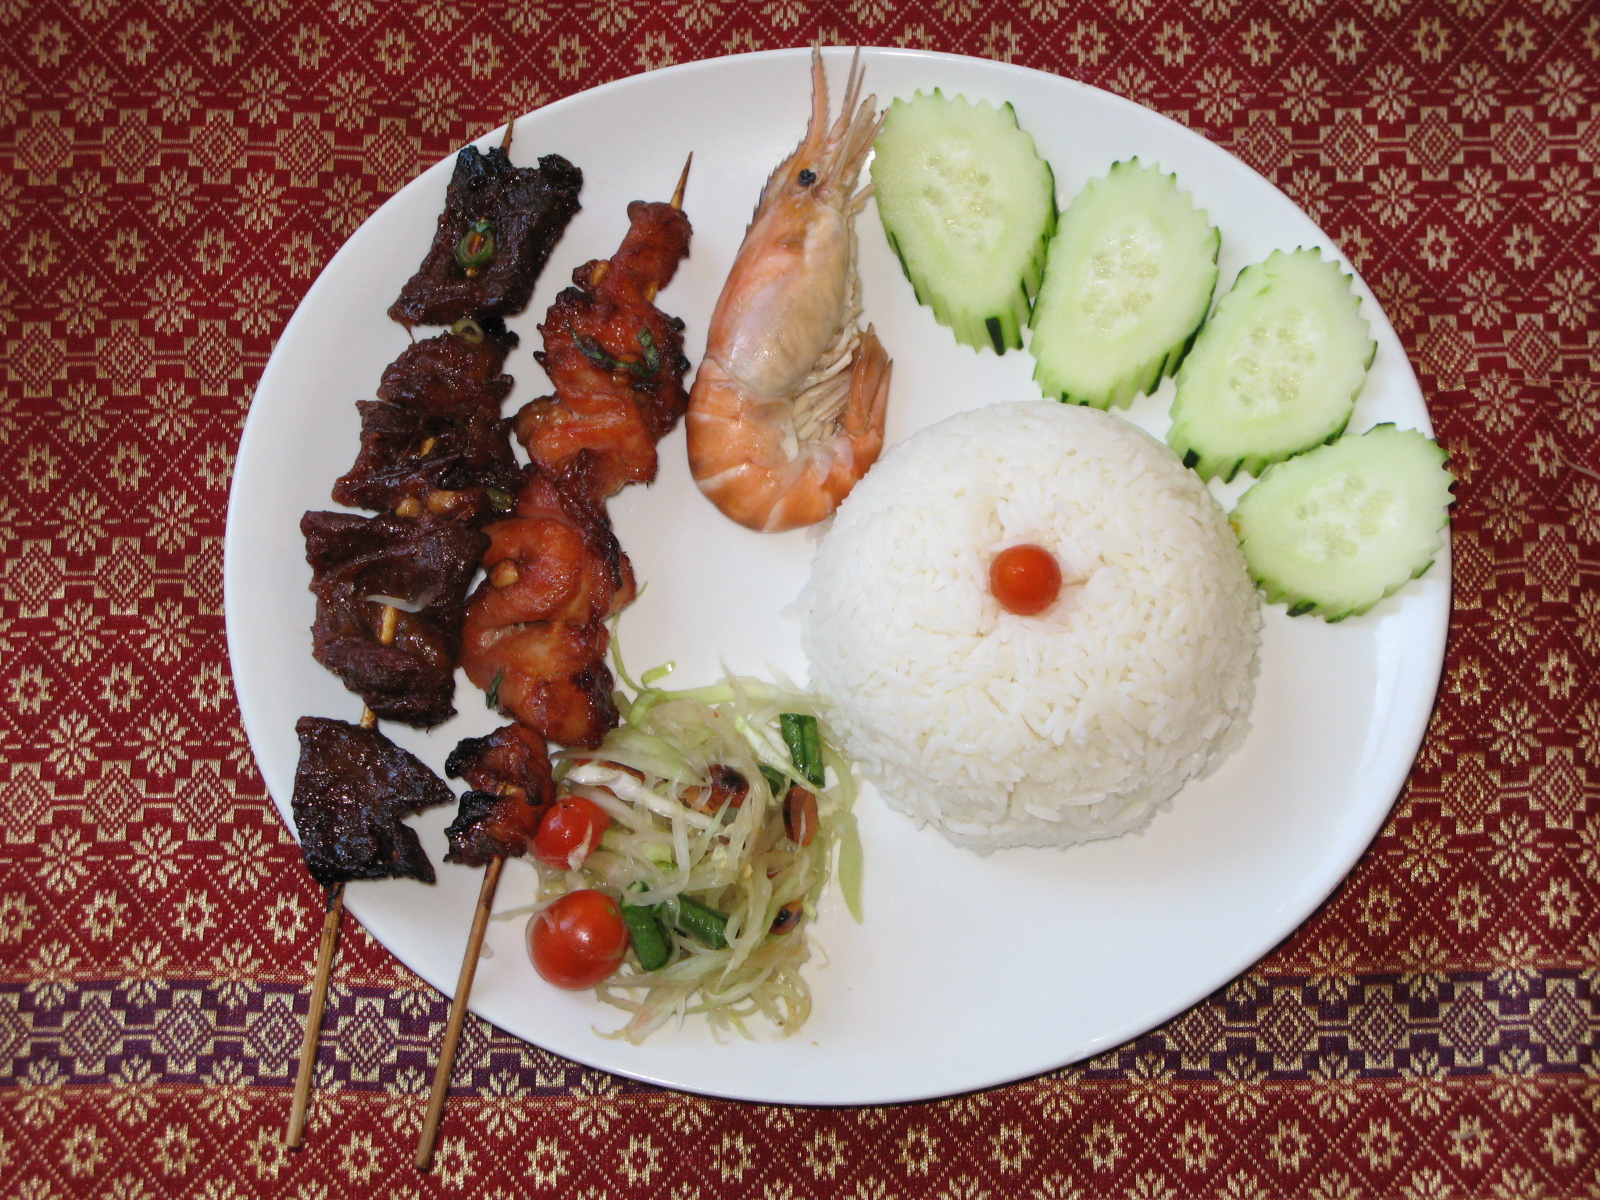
(579, 940)
(569, 830)
(1026, 579)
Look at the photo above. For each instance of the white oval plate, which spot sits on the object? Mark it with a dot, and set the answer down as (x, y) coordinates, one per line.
(967, 971)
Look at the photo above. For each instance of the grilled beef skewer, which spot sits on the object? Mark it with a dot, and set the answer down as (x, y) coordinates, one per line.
(434, 438)
(351, 788)
(361, 564)
(497, 229)
(436, 460)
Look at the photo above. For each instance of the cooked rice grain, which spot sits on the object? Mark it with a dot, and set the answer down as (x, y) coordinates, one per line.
(1077, 724)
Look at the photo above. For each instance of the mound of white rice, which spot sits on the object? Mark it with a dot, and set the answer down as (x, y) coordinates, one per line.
(1076, 724)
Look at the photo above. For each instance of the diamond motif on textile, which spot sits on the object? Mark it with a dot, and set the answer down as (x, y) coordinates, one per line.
(1589, 139)
(1531, 348)
(24, 801)
(1555, 564)
(366, 1040)
(1287, 1028)
(1556, 788)
(1377, 1025)
(202, 800)
(1350, 145)
(112, 800)
(202, 577)
(124, 576)
(1263, 144)
(213, 358)
(36, 359)
(132, 149)
(1561, 1022)
(271, 1035)
(390, 155)
(33, 578)
(1435, 143)
(1446, 351)
(305, 150)
(1468, 1025)
(126, 358)
(218, 146)
(91, 1034)
(1519, 142)
(183, 1033)
(14, 1029)
(44, 148)
(1471, 792)
(1198, 1031)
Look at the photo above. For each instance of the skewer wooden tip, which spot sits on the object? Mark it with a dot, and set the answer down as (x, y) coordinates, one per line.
(505, 138)
(458, 1014)
(295, 1133)
(677, 195)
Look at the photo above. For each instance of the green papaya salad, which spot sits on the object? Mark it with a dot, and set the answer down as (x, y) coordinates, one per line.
(682, 865)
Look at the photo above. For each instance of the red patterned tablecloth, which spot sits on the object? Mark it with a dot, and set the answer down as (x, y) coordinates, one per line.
(172, 176)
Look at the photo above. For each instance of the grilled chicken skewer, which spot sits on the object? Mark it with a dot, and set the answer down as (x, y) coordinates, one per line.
(490, 652)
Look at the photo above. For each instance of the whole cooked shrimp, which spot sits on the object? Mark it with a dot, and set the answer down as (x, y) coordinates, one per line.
(788, 405)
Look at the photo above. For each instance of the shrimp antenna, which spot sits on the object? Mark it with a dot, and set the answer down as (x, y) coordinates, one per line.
(853, 82)
(677, 194)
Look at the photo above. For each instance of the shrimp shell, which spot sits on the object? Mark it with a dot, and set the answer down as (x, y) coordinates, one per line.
(787, 409)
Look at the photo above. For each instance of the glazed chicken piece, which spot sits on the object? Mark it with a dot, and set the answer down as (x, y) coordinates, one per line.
(509, 772)
(615, 360)
(535, 638)
(360, 565)
(351, 788)
(434, 439)
(498, 227)
(551, 676)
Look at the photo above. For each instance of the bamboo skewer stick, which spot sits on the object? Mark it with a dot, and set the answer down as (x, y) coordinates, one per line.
(683, 179)
(319, 997)
(480, 923)
(458, 1013)
(301, 1097)
(295, 1133)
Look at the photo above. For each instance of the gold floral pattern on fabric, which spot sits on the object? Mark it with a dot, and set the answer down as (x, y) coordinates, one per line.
(173, 176)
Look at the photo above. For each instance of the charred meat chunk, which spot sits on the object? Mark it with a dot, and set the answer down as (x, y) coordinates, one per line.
(497, 229)
(359, 566)
(435, 436)
(452, 369)
(615, 359)
(511, 787)
(351, 788)
(535, 636)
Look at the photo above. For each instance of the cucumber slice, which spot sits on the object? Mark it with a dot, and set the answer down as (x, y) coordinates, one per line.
(1276, 369)
(1336, 529)
(1127, 282)
(969, 208)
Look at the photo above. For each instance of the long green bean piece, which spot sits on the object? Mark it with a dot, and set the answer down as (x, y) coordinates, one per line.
(804, 739)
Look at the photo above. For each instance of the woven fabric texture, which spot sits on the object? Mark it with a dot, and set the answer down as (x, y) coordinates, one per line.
(174, 174)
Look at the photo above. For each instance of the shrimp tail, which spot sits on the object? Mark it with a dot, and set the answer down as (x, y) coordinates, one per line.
(869, 399)
(742, 450)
